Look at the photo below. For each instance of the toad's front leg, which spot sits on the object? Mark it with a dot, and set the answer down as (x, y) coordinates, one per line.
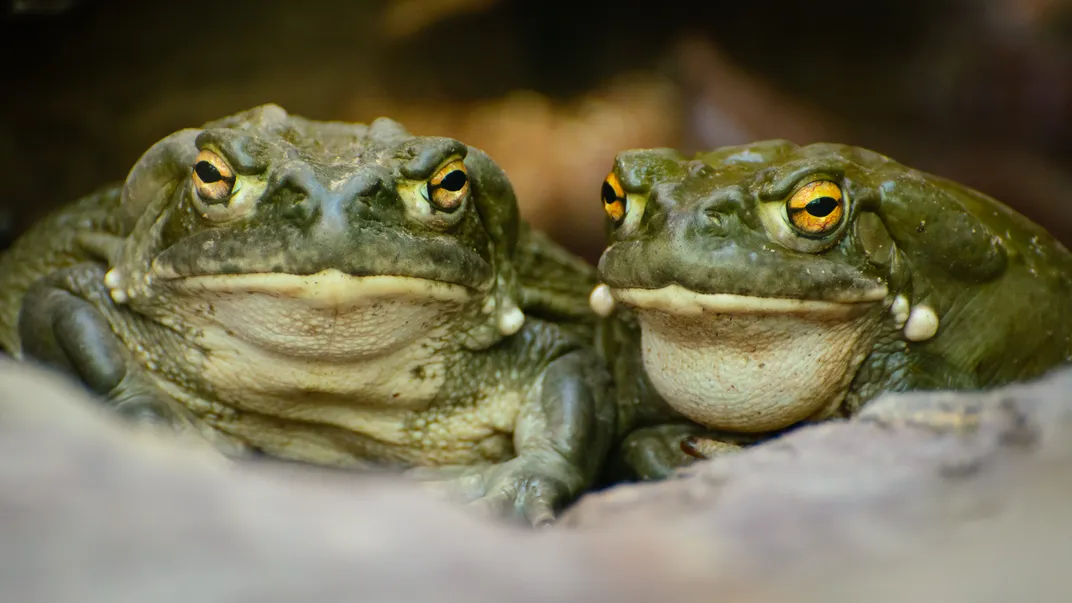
(562, 436)
(63, 324)
(656, 452)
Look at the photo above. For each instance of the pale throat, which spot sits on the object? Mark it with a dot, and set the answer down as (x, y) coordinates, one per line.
(750, 364)
(328, 337)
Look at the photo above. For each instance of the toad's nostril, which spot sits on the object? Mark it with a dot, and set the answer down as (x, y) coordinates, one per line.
(362, 185)
(714, 223)
(357, 193)
(299, 178)
(719, 211)
(715, 218)
(730, 201)
(302, 210)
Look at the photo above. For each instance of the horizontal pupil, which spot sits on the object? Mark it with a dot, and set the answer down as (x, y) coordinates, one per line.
(609, 196)
(454, 181)
(821, 207)
(207, 172)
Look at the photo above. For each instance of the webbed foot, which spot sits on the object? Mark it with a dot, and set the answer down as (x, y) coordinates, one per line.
(561, 438)
(654, 453)
(704, 447)
(532, 487)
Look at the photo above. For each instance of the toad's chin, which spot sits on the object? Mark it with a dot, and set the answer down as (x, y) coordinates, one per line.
(330, 315)
(751, 364)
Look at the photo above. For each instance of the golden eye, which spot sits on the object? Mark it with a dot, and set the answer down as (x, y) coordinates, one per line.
(613, 196)
(448, 187)
(214, 180)
(817, 208)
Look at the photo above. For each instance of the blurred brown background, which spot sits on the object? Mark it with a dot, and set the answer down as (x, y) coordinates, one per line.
(977, 90)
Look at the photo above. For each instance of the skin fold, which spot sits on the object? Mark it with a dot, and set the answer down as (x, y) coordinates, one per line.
(342, 294)
(754, 288)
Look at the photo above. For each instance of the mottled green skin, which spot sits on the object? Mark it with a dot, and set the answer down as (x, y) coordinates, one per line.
(1000, 285)
(331, 201)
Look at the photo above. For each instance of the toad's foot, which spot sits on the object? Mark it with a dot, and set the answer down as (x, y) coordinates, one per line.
(704, 447)
(64, 324)
(562, 435)
(531, 487)
(654, 453)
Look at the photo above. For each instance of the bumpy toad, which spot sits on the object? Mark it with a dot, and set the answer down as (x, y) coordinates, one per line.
(757, 287)
(333, 293)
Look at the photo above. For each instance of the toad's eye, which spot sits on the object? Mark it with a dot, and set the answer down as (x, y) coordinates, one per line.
(449, 186)
(214, 180)
(817, 208)
(613, 196)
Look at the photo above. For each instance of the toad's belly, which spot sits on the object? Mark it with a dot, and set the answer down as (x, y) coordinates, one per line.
(334, 446)
(477, 429)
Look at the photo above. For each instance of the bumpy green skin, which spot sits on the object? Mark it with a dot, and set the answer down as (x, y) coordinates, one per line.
(1000, 285)
(518, 422)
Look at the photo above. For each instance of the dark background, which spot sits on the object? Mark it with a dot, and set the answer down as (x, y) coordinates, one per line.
(976, 90)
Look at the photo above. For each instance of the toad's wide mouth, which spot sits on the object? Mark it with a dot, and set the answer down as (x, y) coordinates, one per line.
(327, 288)
(327, 317)
(677, 300)
(724, 268)
(247, 256)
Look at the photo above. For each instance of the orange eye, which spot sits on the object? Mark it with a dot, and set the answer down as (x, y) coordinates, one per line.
(613, 198)
(213, 178)
(817, 208)
(448, 187)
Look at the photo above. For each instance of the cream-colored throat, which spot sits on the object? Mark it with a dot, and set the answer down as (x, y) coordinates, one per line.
(325, 348)
(329, 316)
(750, 364)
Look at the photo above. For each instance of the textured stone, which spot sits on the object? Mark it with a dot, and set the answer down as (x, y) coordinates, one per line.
(91, 510)
(862, 495)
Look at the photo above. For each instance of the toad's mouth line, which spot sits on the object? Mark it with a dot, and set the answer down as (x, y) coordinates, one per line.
(328, 287)
(675, 299)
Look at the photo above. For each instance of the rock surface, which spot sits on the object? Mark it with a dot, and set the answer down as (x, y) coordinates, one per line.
(91, 510)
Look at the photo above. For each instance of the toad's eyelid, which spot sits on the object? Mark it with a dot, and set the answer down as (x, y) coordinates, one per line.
(234, 152)
(442, 171)
(429, 161)
(788, 184)
(813, 190)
